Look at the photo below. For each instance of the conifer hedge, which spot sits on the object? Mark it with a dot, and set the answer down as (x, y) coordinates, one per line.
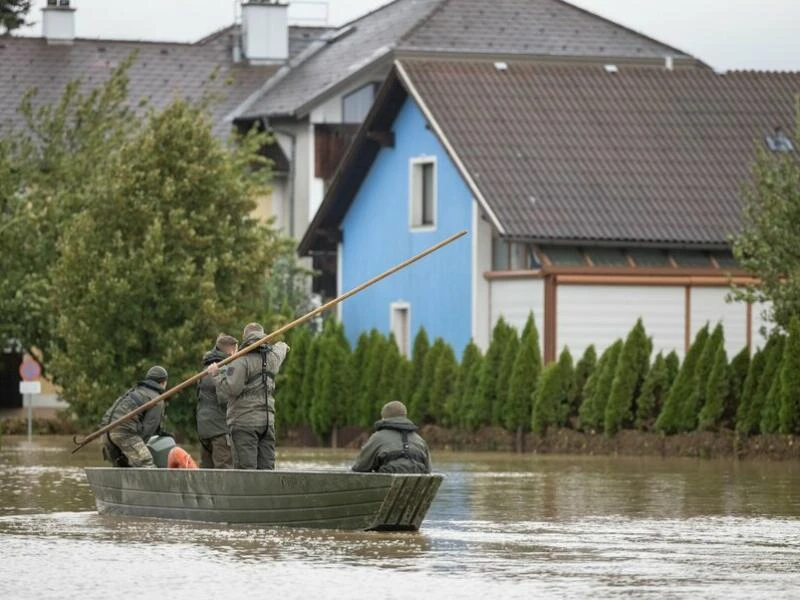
(789, 412)
(632, 367)
(653, 394)
(669, 421)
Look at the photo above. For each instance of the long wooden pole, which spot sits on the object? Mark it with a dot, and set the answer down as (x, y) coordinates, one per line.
(266, 339)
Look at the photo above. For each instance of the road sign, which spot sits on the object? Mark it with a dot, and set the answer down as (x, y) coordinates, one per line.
(30, 387)
(30, 370)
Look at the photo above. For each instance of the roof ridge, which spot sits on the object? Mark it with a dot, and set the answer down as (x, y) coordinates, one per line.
(416, 26)
(626, 28)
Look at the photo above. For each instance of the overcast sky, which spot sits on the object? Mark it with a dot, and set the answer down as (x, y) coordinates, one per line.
(727, 34)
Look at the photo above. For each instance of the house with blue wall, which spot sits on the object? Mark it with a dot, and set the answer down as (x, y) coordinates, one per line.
(593, 195)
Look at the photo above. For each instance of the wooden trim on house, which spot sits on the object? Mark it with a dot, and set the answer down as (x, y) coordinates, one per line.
(645, 271)
(687, 319)
(698, 281)
(749, 330)
(522, 274)
(550, 319)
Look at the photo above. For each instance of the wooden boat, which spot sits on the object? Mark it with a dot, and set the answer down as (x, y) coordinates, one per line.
(325, 499)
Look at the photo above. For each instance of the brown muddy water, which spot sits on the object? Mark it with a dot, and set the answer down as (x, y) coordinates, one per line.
(502, 525)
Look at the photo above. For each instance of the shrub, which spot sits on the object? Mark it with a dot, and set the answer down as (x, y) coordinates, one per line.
(504, 376)
(583, 370)
(747, 419)
(765, 402)
(716, 394)
(592, 411)
(695, 401)
(524, 375)
(631, 370)
(653, 394)
(469, 374)
(486, 396)
(789, 412)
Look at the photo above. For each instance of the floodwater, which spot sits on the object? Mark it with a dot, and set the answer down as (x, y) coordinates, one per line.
(502, 525)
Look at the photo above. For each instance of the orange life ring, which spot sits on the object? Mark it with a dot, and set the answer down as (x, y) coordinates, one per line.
(180, 459)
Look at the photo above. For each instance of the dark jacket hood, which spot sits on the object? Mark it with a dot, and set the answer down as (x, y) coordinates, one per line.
(397, 423)
(151, 384)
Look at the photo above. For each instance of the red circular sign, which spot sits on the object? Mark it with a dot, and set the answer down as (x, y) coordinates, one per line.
(30, 370)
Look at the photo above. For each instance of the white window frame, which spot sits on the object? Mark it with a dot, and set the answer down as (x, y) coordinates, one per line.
(394, 309)
(414, 164)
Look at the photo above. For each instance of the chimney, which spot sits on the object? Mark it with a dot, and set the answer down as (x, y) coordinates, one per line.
(669, 64)
(58, 22)
(265, 32)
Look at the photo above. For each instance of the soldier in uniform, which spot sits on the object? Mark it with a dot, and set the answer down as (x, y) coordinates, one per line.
(124, 446)
(395, 447)
(211, 426)
(246, 386)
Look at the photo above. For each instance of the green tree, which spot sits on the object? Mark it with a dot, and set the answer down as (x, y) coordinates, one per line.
(390, 383)
(770, 417)
(737, 374)
(583, 370)
(669, 421)
(653, 394)
(716, 394)
(163, 251)
(469, 374)
(370, 378)
(695, 401)
(769, 238)
(673, 364)
(524, 376)
(331, 387)
(632, 367)
(358, 359)
(310, 367)
(789, 412)
(289, 385)
(444, 386)
(486, 395)
(423, 404)
(593, 410)
(747, 420)
(418, 353)
(510, 352)
(768, 396)
(772, 364)
(552, 396)
(13, 14)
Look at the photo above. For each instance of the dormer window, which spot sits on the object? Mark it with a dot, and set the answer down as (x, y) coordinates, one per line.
(779, 141)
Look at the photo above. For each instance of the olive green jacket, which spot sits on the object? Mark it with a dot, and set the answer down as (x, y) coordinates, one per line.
(146, 423)
(210, 413)
(384, 453)
(240, 386)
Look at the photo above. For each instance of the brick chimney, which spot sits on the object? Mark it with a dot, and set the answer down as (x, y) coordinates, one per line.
(265, 31)
(58, 22)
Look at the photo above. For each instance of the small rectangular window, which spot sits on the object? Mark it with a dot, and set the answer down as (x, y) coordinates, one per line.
(401, 326)
(423, 193)
(500, 255)
(356, 104)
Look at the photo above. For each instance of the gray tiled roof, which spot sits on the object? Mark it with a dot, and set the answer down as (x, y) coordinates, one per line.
(533, 27)
(342, 54)
(160, 71)
(578, 153)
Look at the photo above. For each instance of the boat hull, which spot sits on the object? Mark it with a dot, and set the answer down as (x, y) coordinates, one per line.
(336, 500)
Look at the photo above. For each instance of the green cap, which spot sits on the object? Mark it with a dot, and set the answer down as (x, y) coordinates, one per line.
(157, 373)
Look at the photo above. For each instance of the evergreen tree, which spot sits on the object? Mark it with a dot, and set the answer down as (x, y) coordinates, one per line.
(469, 374)
(737, 374)
(673, 364)
(490, 368)
(567, 376)
(423, 405)
(593, 410)
(358, 359)
(326, 411)
(629, 375)
(770, 417)
(746, 423)
(288, 392)
(418, 353)
(586, 407)
(583, 370)
(524, 376)
(13, 14)
(789, 412)
(762, 411)
(669, 421)
(716, 394)
(504, 376)
(693, 403)
(547, 397)
(444, 386)
(653, 394)
(310, 367)
(371, 378)
(390, 382)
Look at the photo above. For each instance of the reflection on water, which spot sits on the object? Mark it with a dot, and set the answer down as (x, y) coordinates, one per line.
(503, 525)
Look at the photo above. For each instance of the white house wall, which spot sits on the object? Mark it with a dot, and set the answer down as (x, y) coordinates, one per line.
(602, 314)
(708, 305)
(514, 299)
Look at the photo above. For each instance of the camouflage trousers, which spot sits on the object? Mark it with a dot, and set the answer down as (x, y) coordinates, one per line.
(216, 453)
(132, 447)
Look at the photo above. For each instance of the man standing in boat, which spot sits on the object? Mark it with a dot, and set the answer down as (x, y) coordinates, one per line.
(124, 446)
(246, 385)
(395, 447)
(211, 426)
